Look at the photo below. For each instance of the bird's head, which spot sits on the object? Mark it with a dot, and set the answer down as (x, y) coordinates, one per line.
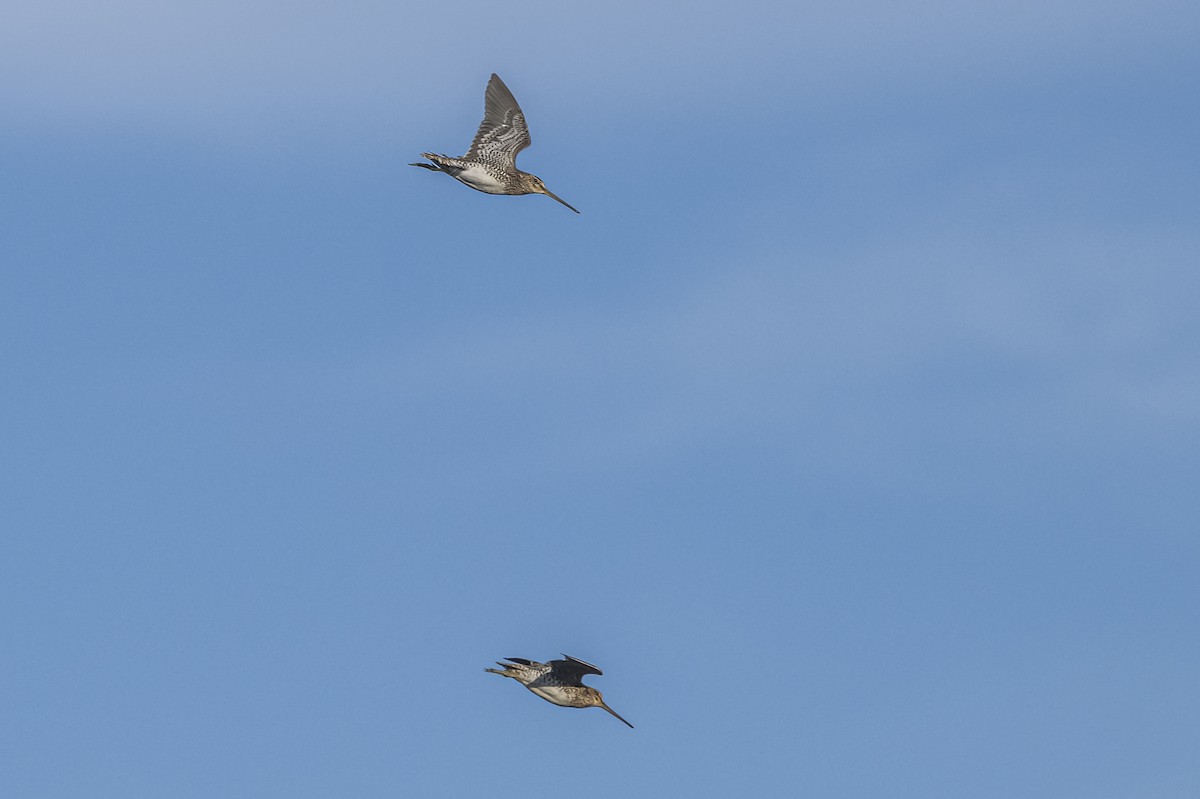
(598, 701)
(537, 187)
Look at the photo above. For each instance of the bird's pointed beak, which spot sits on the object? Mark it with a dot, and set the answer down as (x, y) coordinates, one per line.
(606, 707)
(564, 202)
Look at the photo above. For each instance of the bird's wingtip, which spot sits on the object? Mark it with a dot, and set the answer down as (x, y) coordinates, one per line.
(592, 666)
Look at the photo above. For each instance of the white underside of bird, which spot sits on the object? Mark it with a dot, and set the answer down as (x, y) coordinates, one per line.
(555, 694)
(480, 179)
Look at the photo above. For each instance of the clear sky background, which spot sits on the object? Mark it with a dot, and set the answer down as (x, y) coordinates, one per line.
(853, 428)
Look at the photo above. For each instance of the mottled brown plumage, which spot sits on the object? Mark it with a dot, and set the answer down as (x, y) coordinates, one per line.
(490, 165)
(559, 681)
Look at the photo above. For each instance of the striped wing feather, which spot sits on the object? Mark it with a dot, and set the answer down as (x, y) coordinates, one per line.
(503, 132)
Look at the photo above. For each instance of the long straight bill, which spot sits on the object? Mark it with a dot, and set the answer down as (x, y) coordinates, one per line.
(576, 210)
(606, 707)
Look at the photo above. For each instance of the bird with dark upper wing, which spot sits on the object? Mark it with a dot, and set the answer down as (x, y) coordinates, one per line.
(559, 682)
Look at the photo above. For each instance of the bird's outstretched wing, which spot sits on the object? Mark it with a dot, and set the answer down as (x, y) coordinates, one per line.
(503, 132)
(572, 669)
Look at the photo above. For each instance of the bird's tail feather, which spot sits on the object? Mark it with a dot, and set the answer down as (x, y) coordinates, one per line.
(505, 670)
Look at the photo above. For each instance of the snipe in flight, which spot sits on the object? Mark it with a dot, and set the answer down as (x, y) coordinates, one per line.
(490, 165)
(559, 681)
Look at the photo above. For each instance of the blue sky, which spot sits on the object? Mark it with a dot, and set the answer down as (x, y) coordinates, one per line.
(853, 428)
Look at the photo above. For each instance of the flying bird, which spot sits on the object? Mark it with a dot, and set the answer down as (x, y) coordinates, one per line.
(559, 681)
(490, 165)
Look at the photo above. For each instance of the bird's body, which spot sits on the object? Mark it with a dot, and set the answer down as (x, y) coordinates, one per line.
(559, 682)
(474, 175)
(490, 165)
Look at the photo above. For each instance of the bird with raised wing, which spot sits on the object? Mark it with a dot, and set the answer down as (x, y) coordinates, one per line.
(559, 682)
(490, 165)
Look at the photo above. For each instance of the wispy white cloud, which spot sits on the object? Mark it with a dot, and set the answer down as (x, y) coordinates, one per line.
(1061, 337)
(225, 65)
